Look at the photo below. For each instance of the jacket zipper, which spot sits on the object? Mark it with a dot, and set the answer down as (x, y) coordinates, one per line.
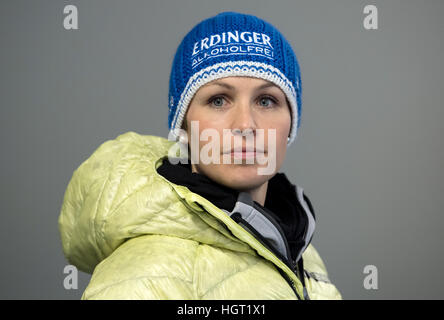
(290, 263)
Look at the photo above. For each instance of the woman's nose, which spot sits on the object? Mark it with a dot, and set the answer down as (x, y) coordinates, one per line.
(243, 118)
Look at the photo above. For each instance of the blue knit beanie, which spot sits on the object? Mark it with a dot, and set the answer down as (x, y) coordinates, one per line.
(233, 44)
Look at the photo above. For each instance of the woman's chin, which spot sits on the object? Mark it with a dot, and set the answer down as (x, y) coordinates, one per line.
(241, 177)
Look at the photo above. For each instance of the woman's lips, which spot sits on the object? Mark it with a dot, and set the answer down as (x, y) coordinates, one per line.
(246, 154)
(243, 155)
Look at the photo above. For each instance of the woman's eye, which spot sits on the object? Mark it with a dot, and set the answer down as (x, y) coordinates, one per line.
(217, 101)
(266, 102)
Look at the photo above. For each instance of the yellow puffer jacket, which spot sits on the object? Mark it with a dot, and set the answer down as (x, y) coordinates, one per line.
(143, 237)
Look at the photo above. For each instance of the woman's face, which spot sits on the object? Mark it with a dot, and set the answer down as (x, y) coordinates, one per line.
(247, 104)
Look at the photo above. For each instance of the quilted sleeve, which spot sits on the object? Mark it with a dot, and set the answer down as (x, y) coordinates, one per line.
(151, 267)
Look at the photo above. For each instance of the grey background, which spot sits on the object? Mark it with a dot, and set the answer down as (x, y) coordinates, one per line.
(369, 152)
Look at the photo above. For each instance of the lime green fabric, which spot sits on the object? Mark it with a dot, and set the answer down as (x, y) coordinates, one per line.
(143, 237)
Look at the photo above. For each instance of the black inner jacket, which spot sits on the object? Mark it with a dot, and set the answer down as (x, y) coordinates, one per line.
(281, 200)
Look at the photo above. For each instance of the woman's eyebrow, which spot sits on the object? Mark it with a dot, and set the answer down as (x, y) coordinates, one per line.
(226, 85)
(222, 84)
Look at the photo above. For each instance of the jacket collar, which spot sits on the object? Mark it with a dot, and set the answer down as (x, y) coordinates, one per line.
(285, 223)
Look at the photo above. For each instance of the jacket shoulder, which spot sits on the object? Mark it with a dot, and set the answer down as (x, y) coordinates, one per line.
(115, 170)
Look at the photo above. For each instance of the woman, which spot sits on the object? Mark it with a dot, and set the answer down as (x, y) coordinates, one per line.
(151, 224)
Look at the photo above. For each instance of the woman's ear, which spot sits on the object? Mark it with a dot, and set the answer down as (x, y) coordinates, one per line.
(183, 137)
